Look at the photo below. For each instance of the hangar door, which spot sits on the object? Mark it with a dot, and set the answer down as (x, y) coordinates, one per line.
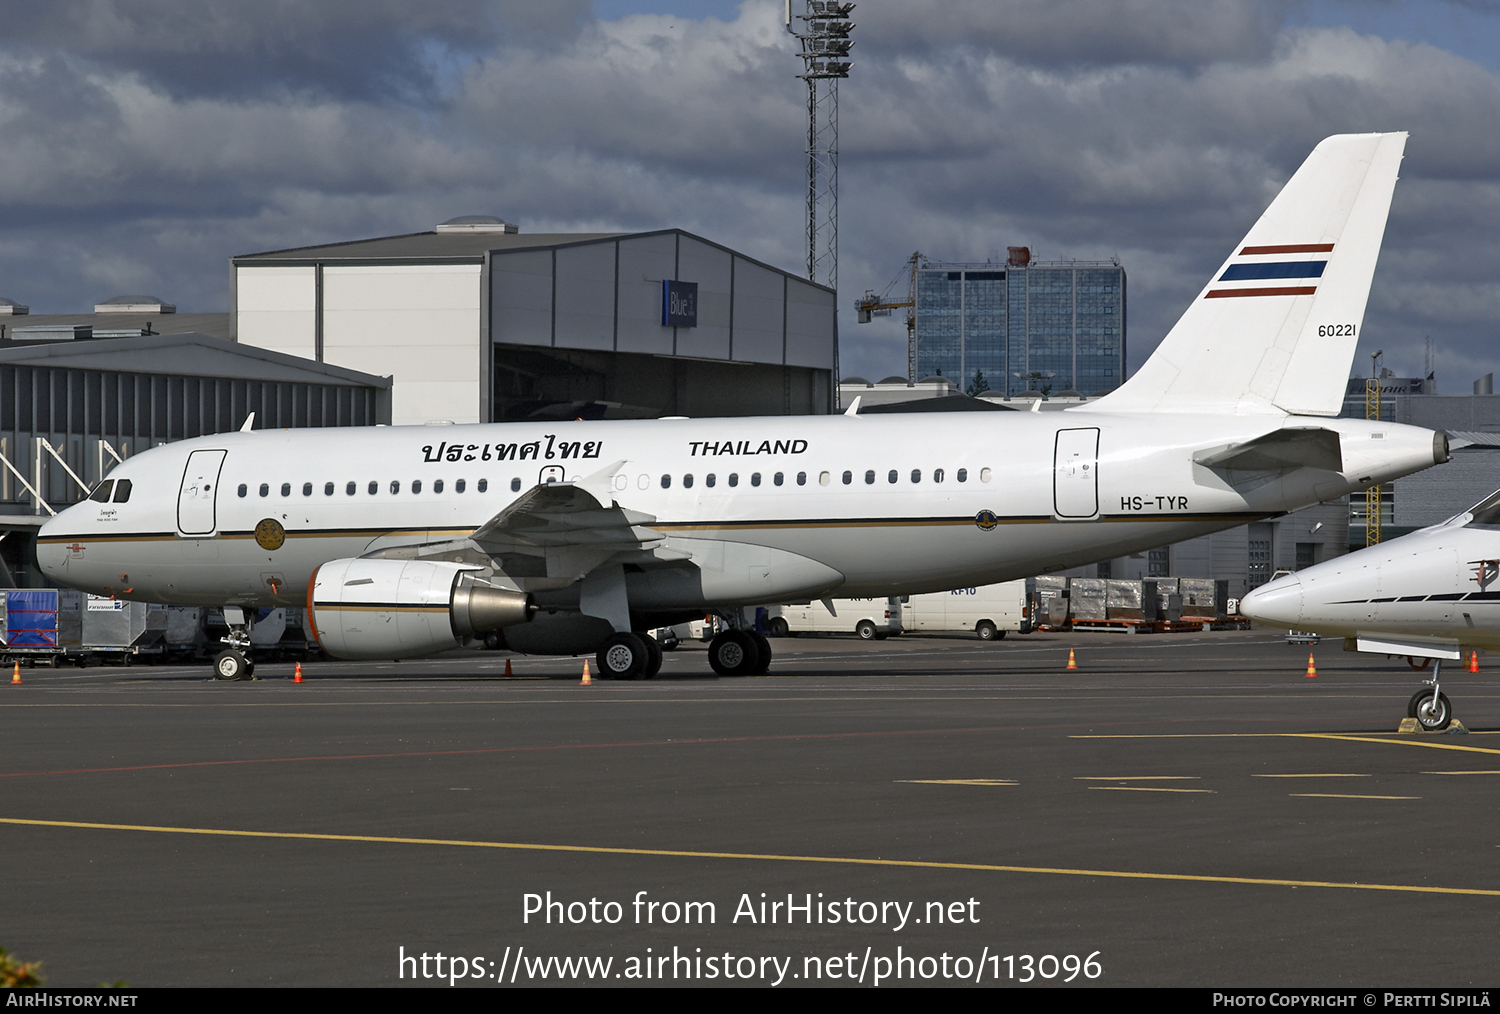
(1075, 473)
(195, 500)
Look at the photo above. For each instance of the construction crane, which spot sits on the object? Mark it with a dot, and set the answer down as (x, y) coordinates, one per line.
(1372, 412)
(871, 305)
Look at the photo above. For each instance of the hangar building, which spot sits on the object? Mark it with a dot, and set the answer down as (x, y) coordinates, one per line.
(479, 322)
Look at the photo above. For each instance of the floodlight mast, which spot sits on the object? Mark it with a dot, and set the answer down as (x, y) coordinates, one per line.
(825, 43)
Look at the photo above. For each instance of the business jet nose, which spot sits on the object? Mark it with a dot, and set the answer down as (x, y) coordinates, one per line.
(1279, 602)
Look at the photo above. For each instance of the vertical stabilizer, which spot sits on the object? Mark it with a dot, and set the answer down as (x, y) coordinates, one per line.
(1275, 329)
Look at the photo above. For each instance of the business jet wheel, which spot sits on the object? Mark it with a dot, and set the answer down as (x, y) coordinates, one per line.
(623, 657)
(733, 653)
(763, 645)
(1432, 716)
(231, 665)
(653, 655)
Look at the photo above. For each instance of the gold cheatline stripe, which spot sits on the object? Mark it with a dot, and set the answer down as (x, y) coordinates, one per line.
(907, 863)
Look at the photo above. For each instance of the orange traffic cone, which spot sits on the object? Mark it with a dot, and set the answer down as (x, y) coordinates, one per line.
(1473, 661)
(1312, 670)
(15, 676)
(1072, 662)
(507, 668)
(586, 681)
(297, 676)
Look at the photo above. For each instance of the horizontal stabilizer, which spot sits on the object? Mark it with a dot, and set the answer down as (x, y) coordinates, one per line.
(1280, 450)
(1274, 330)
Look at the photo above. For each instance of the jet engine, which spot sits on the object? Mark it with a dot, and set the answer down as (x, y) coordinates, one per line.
(376, 609)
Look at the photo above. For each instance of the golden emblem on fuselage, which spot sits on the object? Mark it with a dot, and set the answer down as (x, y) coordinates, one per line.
(269, 534)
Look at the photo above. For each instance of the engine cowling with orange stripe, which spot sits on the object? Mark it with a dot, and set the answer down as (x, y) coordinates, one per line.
(376, 609)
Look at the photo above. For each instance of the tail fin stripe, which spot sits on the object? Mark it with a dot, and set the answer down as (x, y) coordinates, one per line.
(1290, 248)
(1274, 269)
(1290, 290)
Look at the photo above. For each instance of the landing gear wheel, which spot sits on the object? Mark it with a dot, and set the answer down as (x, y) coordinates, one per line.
(866, 630)
(1434, 716)
(733, 653)
(763, 644)
(779, 627)
(622, 657)
(230, 665)
(653, 656)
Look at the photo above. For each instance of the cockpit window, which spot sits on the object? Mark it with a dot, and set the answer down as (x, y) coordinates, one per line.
(101, 491)
(1487, 513)
(122, 491)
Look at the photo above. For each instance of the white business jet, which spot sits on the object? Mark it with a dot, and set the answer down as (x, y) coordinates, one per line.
(1430, 595)
(574, 537)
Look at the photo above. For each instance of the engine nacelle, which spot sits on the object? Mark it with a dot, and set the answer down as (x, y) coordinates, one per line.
(373, 609)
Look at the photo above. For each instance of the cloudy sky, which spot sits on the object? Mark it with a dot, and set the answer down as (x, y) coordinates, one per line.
(144, 142)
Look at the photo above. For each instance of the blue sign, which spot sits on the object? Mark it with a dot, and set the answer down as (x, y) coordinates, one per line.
(679, 303)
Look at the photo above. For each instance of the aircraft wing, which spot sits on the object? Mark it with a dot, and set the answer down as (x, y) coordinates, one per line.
(560, 531)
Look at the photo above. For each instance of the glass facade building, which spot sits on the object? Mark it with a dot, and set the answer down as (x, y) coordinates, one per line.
(1050, 326)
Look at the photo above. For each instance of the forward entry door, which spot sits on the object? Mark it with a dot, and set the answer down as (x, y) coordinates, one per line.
(1075, 473)
(200, 490)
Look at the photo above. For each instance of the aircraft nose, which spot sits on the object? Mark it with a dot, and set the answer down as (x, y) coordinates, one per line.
(51, 555)
(1279, 602)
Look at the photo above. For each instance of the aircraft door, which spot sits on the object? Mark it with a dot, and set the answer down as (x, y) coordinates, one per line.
(1075, 473)
(200, 489)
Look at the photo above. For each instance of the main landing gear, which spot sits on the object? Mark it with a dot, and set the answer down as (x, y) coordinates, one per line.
(629, 657)
(1429, 706)
(740, 653)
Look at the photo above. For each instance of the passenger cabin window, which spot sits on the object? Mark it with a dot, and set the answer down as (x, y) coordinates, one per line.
(437, 485)
(666, 482)
(101, 492)
(482, 485)
(122, 491)
(328, 489)
(687, 481)
(963, 475)
(350, 489)
(984, 475)
(916, 475)
(307, 489)
(823, 478)
(286, 489)
(848, 478)
(265, 489)
(755, 478)
(458, 486)
(515, 485)
(734, 479)
(416, 485)
(891, 477)
(870, 477)
(778, 478)
(937, 475)
(709, 479)
(243, 490)
(374, 487)
(395, 486)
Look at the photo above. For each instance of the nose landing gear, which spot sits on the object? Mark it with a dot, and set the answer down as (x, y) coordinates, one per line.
(235, 663)
(1430, 707)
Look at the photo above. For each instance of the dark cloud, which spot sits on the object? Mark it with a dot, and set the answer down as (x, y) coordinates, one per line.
(1157, 131)
(350, 49)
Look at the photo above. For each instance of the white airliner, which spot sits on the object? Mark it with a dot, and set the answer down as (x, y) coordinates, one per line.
(568, 537)
(1428, 595)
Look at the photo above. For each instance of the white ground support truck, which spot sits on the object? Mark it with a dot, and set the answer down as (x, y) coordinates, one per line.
(990, 611)
(870, 619)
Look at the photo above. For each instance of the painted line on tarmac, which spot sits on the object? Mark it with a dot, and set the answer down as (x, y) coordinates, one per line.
(1144, 788)
(1337, 795)
(762, 857)
(1330, 774)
